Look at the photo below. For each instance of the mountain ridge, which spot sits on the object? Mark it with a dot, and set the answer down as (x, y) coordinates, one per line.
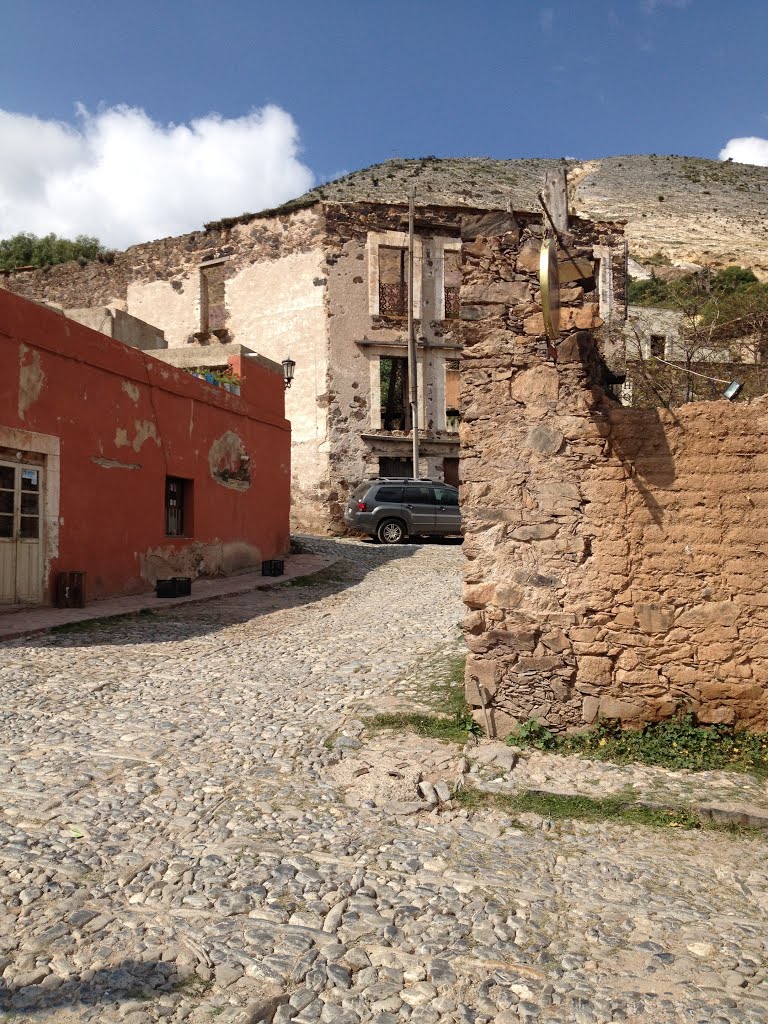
(691, 209)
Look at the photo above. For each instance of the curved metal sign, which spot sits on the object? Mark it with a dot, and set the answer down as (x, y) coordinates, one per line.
(549, 280)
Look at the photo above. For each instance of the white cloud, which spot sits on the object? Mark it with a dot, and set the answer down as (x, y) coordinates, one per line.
(123, 177)
(748, 150)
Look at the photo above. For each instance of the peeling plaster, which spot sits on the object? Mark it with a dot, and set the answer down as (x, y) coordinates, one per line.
(198, 559)
(145, 429)
(31, 378)
(114, 464)
(131, 390)
(229, 462)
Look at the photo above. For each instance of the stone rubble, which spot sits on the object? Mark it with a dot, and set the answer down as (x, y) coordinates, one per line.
(178, 842)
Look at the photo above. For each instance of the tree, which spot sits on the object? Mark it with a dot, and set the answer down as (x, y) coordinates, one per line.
(25, 250)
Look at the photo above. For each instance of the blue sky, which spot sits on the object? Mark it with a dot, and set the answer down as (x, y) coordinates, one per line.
(348, 84)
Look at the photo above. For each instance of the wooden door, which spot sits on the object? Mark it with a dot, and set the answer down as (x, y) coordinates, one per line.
(21, 535)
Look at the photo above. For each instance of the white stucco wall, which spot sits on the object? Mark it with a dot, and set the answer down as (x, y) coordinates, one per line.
(174, 309)
(276, 308)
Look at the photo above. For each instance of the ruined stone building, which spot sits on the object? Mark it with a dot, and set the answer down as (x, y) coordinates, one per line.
(325, 283)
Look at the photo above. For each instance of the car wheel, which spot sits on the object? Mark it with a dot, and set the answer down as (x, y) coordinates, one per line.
(390, 531)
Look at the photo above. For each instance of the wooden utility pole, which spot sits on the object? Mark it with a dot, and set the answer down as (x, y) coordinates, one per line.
(413, 374)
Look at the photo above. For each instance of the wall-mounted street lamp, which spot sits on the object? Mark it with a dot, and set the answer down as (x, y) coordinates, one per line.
(288, 369)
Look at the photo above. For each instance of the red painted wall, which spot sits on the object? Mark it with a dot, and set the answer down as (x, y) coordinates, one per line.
(109, 402)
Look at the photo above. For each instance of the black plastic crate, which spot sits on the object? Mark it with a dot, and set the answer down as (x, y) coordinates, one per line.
(177, 586)
(70, 590)
(273, 567)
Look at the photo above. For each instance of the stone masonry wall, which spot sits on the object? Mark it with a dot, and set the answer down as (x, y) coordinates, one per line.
(616, 558)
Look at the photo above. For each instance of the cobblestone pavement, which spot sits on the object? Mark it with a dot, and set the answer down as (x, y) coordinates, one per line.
(176, 842)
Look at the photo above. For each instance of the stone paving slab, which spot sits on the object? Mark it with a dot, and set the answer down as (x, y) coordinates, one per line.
(176, 842)
(29, 621)
(719, 795)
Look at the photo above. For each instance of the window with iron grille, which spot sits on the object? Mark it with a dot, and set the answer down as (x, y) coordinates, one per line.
(393, 281)
(178, 507)
(452, 415)
(452, 283)
(395, 466)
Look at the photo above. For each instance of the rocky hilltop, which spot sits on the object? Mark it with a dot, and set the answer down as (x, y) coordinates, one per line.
(689, 209)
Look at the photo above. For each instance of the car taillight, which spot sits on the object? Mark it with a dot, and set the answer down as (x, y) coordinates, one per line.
(361, 506)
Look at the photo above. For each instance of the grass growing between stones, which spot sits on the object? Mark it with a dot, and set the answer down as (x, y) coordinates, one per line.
(613, 809)
(437, 727)
(87, 625)
(679, 743)
(332, 574)
(452, 719)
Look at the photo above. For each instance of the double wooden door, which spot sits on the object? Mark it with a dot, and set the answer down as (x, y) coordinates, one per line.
(21, 533)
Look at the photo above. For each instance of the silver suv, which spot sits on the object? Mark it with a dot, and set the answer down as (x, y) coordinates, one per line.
(393, 508)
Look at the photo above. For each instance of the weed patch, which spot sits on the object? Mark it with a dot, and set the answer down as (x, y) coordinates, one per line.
(452, 719)
(613, 809)
(679, 743)
(326, 577)
(87, 625)
(438, 727)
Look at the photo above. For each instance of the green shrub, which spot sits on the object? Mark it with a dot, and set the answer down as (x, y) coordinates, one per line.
(680, 742)
(532, 734)
(25, 249)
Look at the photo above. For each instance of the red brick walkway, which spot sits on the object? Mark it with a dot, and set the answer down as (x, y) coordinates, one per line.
(40, 620)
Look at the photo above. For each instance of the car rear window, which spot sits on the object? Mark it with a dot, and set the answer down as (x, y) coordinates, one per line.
(360, 490)
(389, 494)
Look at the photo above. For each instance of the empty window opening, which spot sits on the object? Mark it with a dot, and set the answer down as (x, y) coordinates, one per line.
(590, 284)
(658, 345)
(213, 312)
(393, 281)
(451, 471)
(394, 393)
(452, 395)
(390, 466)
(178, 507)
(451, 283)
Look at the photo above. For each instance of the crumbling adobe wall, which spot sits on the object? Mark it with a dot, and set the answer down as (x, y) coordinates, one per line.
(616, 557)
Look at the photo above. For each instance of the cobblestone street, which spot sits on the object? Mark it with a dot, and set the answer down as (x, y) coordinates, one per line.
(176, 842)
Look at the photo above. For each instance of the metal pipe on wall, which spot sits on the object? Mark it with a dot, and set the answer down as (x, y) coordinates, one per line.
(413, 375)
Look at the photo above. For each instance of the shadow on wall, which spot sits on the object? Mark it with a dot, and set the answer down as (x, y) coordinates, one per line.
(354, 561)
(636, 437)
